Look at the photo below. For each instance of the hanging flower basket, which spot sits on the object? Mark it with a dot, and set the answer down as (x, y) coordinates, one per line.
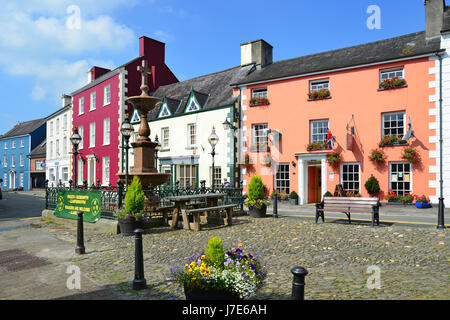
(377, 156)
(334, 158)
(411, 155)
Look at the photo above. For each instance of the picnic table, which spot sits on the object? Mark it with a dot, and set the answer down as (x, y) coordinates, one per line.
(181, 204)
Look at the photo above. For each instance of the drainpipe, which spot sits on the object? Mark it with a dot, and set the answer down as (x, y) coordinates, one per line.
(441, 198)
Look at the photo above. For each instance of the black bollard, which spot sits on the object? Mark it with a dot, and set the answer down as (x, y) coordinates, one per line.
(298, 284)
(275, 206)
(139, 282)
(80, 235)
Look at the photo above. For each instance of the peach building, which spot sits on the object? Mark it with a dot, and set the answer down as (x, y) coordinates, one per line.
(295, 112)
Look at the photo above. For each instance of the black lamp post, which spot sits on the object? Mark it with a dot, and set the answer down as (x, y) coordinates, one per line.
(157, 148)
(126, 129)
(75, 139)
(213, 139)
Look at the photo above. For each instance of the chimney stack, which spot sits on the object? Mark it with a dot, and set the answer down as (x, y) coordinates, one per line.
(257, 52)
(434, 17)
(66, 100)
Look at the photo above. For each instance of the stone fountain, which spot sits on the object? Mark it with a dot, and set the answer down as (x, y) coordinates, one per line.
(144, 148)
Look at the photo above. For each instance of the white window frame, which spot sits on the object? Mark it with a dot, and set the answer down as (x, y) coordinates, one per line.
(317, 134)
(217, 176)
(390, 114)
(259, 93)
(51, 129)
(65, 122)
(57, 154)
(192, 137)
(80, 172)
(259, 135)
(279, 180)
(316, 85)
(410, 175)
(106, 131)
(21, 180)
(81, 133)
(65, 174)
(105, 170)
(390, 73)
(5, 160)
(22, 143)
(13, 160)
(165, 137)
(5, 145)
(191, 177)
(65, 146)
(352, 181)
(51, 150)
(21, 160)
(13, 144)
(107, 95)
(57, 126)
(92, 135)
(165, 112)
(81, 106)
(93, 101)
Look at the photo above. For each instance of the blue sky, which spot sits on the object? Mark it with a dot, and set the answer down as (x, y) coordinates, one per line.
(44, 54)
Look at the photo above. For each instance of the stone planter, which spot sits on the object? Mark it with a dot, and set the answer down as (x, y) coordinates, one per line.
(257, 212)
(128, 225)
(293, 201)
(212, 294)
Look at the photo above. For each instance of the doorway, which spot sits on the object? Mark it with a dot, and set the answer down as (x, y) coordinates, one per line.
(12, 180)
(91, 171)
(314, 183)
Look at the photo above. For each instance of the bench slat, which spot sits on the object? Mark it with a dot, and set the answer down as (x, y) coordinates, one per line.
(334, 205)
(211, 208)
(349, 201)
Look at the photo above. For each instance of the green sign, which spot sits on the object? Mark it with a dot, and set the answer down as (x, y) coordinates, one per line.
(70, 202)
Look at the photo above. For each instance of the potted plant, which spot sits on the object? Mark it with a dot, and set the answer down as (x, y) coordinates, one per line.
(411, 155)
(372, 186)
(334, 158)
(392, 141)
(377, 156)
(407, 198)
(132, 217)
(395, 82)
(256, 201)
(293, 198)
(422, 201)
(393, 198)
(319, 94)
(218, 275)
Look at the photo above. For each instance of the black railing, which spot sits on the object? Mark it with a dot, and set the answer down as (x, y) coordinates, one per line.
(113, 198)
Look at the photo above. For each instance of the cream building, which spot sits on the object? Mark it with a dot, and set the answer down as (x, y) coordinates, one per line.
(58, 167)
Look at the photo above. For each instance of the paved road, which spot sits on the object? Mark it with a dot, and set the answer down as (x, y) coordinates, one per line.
(406, 215)
(18, 205)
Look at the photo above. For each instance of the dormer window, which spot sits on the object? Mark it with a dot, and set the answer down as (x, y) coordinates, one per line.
(165, 112)
(192, 106)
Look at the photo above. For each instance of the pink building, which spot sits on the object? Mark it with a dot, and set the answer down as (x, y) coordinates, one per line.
(99, 108)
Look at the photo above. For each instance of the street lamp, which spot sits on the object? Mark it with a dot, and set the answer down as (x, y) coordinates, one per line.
(75, 139)
(126, 129)
(157, 148)
(213, 139)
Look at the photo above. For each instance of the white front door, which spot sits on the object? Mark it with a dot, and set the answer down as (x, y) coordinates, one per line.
(91, 171)
(12, 180)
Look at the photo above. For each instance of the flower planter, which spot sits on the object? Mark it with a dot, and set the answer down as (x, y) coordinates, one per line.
(127, 226)
(293, 201)
(423, 205)
(210, 294)
(257, 212)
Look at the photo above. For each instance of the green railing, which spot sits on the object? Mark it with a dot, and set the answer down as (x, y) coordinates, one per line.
(113, 198)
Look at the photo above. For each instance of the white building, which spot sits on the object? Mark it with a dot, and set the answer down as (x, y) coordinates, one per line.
(58, 153)
(183, 123)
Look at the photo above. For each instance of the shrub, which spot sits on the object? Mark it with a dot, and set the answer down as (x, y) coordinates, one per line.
(215, 251)
(372, 185)
(328, 194)
(256, 189)
(283, 195)
(275, 192)
(134, 198)
(293, 195)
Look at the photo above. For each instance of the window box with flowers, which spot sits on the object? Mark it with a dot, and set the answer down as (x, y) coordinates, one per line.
(393, 83)
(258, 101)
(319, 94)
(259, 148)
(318, 146)
(393, 198)
(411, 155)
(377, 156)
(389, 141)
(334, 158)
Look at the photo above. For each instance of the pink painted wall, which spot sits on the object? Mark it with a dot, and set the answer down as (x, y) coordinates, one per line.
(352, 92)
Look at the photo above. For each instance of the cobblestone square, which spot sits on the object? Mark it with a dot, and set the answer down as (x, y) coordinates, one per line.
(414, 261)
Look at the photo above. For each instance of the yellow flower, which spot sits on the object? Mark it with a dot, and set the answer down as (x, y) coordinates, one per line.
(186, 265)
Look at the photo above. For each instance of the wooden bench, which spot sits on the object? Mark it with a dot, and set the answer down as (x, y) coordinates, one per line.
(349, 205)
(195, 225)
(164, 210)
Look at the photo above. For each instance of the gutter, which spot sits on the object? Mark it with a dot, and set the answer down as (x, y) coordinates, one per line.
(441, 181)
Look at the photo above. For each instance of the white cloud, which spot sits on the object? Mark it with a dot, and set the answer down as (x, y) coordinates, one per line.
(163, 36)
(35, 41)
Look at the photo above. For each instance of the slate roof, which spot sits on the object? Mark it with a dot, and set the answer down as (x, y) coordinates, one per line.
(39, 151)
(211, 90)
(409, 45)
(23, 128)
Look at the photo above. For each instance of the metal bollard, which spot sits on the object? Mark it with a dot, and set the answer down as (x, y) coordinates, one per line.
(139, 281)
(275, 206)
(80, 235)
(298, 284)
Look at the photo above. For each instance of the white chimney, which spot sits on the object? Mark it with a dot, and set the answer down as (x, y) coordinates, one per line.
(257, 52)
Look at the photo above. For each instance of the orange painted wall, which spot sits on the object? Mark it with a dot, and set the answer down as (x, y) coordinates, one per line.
(353, 92)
